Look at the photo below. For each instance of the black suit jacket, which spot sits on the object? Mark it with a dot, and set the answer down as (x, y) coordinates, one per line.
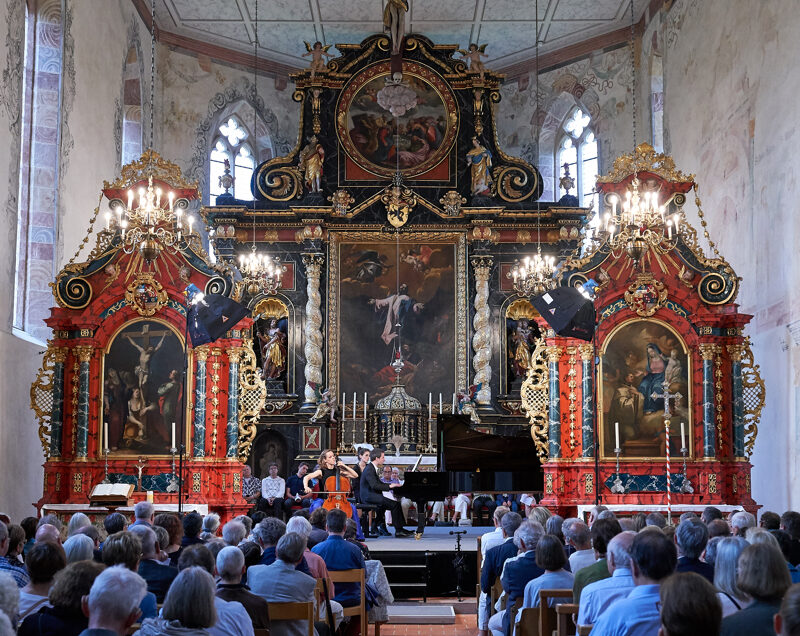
(696, 565)
(372, 487)
(493, 563)
(159, 577)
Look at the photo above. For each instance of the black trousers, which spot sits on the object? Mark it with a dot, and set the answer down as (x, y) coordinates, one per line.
(274, 510)
(398, 520)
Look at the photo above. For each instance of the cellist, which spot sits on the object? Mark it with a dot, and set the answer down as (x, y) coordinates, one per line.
(329, 467)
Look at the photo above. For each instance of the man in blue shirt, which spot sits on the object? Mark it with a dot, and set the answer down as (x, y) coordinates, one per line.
(597, 597)
(653, 558)
(339, 554)
(691, 537)
(296, 494)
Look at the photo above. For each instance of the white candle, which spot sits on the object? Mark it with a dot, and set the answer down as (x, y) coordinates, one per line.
(683, 438)
(616, 434)
(454, 402)
(440, 403)
(173, 436)
(430, 406)
(344, 403)
(355, 404)
(105, 436)
(365, 405)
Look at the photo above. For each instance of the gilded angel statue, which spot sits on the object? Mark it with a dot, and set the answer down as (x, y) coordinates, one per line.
(318, 54)
(474, 55)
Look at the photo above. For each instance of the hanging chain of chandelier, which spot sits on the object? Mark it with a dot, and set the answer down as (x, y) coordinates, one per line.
(151, 222)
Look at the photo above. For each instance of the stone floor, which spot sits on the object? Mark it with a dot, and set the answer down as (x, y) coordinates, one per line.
(466, 625)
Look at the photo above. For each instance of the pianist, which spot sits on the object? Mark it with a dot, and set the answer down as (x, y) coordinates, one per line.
(372, 489)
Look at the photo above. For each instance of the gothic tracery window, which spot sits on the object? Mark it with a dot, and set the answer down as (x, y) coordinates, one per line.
(578, 149)
(231, 144)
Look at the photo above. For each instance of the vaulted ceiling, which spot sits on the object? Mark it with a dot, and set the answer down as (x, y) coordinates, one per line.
(507, 26)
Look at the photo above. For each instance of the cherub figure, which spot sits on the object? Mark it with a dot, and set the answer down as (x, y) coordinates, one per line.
(318, 54)
(474, 55)
(326, 405)
(466, 402)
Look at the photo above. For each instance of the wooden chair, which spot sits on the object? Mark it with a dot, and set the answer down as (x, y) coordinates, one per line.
(584, 630)
(263, 631)
(496, 593)
(514, 609)
(564, 614)
(352, 576)
(293, 612)
(548, 619)
(528, 622)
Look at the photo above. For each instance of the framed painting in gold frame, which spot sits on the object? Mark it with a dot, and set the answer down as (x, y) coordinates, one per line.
(637, 360)
(364, 308)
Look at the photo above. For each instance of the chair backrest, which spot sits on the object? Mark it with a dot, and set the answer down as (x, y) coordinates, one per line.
(584, 630)
(565, 613)
(528, 622)
(293, 612)
(261, 631)
(496, 593)
(353, 576)
(547, 615)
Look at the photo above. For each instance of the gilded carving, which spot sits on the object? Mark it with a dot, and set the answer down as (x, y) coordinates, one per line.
(645, 295)
(645, 158)
(41, 393)
(586, 351)
(84, 353)
(146, 295)
(150, 164)
(753, 394)
(252, 396)
(482, 338)
(554, 353)
(312, 326)
(535, 397)
(707, 351)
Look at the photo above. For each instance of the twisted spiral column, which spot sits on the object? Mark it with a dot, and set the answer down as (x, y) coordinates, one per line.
(312, 327)
(481, 340)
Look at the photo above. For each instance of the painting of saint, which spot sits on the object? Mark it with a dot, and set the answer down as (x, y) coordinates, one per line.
(378, 318)
(143, 388)
(635, 371)
(408, 141)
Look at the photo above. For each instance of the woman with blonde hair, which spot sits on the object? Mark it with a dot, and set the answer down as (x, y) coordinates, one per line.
(540, 514)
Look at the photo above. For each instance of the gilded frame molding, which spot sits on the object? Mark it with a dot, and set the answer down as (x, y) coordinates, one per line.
(461, 327)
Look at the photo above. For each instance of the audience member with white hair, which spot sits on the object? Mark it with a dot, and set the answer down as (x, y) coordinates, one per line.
(9, 596)
(725, 564)
(594, 514)
(48, 533)
(112, 604)
(189, 609)
(597, 597)
(76, 522)
(740, 522)
(230, 569)
(144, 514)
(51, 520)
(578, 535)
(79, 547)
(760, 535)
(158, 576)
(247, 522)
(691, 538)
(6, 627)
(233, 533)
(603, 530)
(210, 526)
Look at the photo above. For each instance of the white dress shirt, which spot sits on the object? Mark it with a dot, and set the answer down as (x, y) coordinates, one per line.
(273, 488)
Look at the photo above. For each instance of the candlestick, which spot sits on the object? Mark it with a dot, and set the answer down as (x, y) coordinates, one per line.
(683, 439)
(617, 487)
(616, 435)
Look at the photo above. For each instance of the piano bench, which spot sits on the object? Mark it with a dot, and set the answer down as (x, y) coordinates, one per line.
(370, 509)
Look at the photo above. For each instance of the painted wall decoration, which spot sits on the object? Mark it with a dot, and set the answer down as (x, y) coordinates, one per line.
(371, 307)
(636, 362)
(142, 387)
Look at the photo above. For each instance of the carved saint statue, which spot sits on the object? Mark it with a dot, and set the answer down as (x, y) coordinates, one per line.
(311, 159)
(273, 351)
(474, 55)
(394, 22)
(480, 165)
(326, 405)
(318, 54)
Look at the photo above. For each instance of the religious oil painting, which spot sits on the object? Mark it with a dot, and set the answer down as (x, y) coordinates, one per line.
(143, 388)
(398, 299)
(642, 361)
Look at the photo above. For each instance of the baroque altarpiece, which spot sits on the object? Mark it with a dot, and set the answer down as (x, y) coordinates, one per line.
(397, 219)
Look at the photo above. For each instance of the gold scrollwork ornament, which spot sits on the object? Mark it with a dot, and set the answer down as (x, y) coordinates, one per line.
(645, 295)
(753, 395)
(252, 396)
(146, 295)
(535, 395)
(42, 394)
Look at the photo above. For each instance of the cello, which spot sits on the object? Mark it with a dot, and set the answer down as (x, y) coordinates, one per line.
(336, 489)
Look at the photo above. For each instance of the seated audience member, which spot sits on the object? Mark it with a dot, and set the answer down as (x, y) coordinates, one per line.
(296, 494)
(273, 491)
(158, 577)
(210, 526)
(686, 515)
(787, 621)
(639, 521)
(770, 521)
(318, 532)
(10, 564)
(603, 530)
(691, 537)
(710, 554)
(606, 514)
(496, 558)
(174, 528)
(29, 526)
(282, 583)
(554, 526)
(740, 522)
(653, 559)
(93, 533)
(540, 514)
(50, 520)
(9, 597)
(350, 535)
(189, 608)
(230, 569)
(257, 517)
(338, 554)
(215, 546)
(509, 501)
(725, 565)
(247, 522)
(669, 532)
(759, 535)
(162, 537)
(656, 519)
(267, 533)
(718, 528)
(790, 522)
(785, 544)
(113, 523)
(488, 541)
(252, 553)
(479, 502)
(689, 605)
(64, 616)
(79, 547)
(125, 548)
(76, 522)
(48, 533)
(233, 533)
(232, 617)
(579, 537)
(709, 514)
(112, 604)
(192, 527)
(568, 523)
(461, 506)
(594, 513)
(762, 575)
(518, 571)
(551, 558)
(251, 486)
(44, 560)
(144, 514)
(597, 597)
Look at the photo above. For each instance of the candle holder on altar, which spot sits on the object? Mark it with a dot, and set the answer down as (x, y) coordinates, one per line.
(617, 487)
(173, 486)
(106, 480)
(686, 486)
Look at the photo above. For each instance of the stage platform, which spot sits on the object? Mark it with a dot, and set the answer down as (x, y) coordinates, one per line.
(434, 539)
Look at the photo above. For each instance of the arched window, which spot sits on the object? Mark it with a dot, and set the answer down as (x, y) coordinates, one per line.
(234, 143)
(578, 149)
(132, 107)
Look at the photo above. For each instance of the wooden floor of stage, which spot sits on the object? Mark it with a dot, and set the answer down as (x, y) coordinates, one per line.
(434, 539)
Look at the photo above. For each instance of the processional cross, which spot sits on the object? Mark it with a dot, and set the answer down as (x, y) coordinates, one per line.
(667, 396)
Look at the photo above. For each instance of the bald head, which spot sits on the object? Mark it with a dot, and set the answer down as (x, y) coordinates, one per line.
(48, 533)
(618, 553)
